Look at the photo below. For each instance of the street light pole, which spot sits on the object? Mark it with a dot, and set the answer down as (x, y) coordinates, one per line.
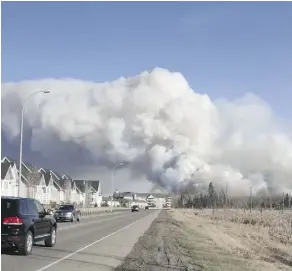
(21, 135)
(112, 181)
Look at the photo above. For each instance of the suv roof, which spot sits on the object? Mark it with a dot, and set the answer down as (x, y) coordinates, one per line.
(10, 197)
(66, 206)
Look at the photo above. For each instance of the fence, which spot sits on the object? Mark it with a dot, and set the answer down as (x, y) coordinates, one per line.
(95, 211)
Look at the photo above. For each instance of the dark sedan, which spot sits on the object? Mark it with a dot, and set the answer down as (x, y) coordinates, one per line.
(67, 212)
(135, 208)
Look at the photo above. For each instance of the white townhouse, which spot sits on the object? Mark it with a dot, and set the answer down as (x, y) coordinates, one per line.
(9, 179)
(58, 191)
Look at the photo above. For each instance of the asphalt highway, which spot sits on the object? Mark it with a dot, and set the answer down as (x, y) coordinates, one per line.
(95, 243)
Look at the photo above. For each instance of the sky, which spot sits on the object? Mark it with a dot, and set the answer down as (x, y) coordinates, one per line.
(222, 49)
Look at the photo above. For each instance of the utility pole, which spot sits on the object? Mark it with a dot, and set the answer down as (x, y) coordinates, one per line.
(86, 194)
(226, 188)
(250, 199)
(21, 135)
(283, 206)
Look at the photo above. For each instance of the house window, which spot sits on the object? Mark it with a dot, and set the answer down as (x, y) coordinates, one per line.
(44, 189)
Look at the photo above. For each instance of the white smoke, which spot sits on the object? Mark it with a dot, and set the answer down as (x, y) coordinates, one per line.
(156, 122)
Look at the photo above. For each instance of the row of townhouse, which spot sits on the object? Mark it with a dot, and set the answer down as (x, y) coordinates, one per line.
(47, 186)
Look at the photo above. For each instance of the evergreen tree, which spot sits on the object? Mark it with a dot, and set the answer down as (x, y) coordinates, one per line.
(286, 201)
(212, 195)
(201, 201)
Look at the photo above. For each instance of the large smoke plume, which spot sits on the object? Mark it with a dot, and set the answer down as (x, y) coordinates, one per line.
(163, 128)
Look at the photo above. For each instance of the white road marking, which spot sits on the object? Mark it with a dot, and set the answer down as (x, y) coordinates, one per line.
(90, 245)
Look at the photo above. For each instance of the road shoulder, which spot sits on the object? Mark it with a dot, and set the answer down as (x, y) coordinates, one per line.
(160, 248)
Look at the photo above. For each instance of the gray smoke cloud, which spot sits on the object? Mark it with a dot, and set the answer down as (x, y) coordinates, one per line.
(167, 132)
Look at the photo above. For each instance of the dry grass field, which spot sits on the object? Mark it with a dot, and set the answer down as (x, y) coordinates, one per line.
(221, 240)
(237, 240)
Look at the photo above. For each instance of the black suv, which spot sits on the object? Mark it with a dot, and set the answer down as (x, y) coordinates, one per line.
(25, 221)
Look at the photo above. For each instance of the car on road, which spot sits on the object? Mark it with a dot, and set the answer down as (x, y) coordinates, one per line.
(25, 221)
(135, 208)
(67, 212)
(146, 207)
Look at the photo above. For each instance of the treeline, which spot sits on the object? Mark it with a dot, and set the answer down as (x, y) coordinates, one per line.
(219, 199)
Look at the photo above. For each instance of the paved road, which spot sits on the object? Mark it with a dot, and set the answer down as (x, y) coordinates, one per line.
(97, 243)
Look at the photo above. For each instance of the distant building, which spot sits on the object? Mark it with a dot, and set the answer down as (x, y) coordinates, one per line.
(168, 202)
(154, 200)
(107, 202)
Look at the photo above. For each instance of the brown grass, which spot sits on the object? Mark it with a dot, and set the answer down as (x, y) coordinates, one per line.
(238, 240)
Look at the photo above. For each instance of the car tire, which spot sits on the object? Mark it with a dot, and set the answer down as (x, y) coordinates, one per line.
(27, 245)
(51, 241)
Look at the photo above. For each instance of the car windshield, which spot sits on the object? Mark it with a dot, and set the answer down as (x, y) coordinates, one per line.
(8, 207)
(66, 207)
(135, 206)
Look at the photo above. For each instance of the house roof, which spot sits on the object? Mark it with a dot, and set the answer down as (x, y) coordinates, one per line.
(12, 161)
(94, 184)
(29, 165)
(56, 174)
(33, 176)
(44, 169)
(47, 177)
(57, 178)
(80, 184)
(66, 178)
(26, 168)
(4, 169)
